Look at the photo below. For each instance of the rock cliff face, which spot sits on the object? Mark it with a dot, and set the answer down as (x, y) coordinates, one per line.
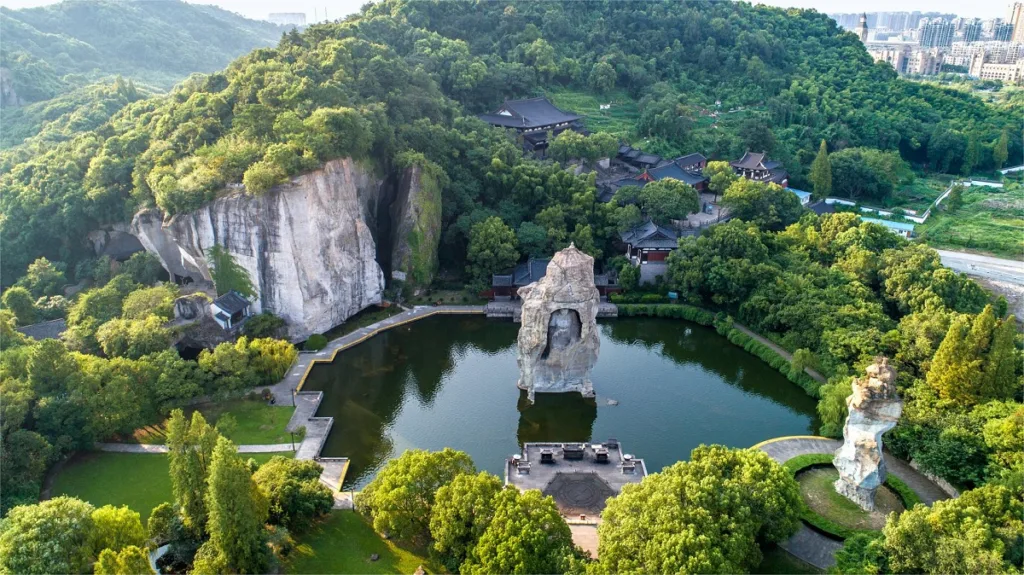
(874, 409)
(308, 246)
(416, 219)
(558, 338)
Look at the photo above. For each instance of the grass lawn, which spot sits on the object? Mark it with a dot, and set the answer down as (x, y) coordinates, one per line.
(991, 220)
(343, 543)
(256, 422)
(447, 296)
(778, 560)
(816, 486)
(619, 120)
(139, 480)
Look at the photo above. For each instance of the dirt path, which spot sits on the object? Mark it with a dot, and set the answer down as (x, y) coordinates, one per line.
(788, 356)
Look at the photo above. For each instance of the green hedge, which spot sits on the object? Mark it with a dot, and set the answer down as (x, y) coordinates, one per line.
(772, 358)
(677, 311)
(827, 526)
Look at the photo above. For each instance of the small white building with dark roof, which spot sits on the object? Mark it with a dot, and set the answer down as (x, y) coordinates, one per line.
(230, 310)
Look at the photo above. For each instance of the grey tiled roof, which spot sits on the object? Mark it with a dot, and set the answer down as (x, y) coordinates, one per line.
(651, 235)
(45, 330)
(527, 114)
(231, 302)
(750, 161)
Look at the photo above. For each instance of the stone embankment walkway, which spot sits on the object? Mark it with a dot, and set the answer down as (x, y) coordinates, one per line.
(779, 350)
(810, 545)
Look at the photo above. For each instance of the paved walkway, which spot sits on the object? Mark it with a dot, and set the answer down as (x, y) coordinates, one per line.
(810, 545)
(779, 350)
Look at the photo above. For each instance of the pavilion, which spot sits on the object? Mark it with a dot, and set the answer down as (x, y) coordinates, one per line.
(755, 166)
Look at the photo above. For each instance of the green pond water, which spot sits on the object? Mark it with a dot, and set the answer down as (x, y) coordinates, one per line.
(450, 381)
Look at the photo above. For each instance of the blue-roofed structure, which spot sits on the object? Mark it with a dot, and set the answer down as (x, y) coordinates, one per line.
(805, 197)
(900, 228)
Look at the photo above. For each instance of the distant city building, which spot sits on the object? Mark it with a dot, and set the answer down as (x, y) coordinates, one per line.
(1002, 32)
(908, 59)
(862, 28)
(936, 33)
(1006, 73)
(1017, 21)
(962, 53)
(288, 18)
(972, 31)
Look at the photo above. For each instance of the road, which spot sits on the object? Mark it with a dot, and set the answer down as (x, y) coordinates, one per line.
(1011, 271)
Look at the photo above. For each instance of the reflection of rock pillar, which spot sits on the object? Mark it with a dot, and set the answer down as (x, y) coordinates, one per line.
(874, 409)
(558, 338)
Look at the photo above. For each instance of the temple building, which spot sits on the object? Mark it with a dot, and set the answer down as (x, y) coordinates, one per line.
(757, 167)
(504, 286)
(648, 246)
(230, 310)
(687, 169)
(533, 119)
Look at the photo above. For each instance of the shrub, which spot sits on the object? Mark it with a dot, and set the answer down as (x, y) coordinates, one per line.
(316, 342)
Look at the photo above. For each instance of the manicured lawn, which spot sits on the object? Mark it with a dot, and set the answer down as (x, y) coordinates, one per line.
(343, 543)
(139, 480)
(619, 120)
(256, 422)
(816, 486)
(991, 220)
(448, 297)
(777, 560)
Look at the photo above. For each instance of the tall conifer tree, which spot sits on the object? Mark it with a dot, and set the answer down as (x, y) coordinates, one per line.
(821, 172)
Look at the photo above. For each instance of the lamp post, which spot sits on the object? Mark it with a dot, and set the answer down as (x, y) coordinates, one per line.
(294, 391)
(292, 433)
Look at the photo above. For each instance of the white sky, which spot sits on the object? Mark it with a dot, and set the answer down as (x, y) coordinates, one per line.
(338, 8)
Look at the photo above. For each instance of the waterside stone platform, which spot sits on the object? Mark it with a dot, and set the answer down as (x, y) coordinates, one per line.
(514, 309)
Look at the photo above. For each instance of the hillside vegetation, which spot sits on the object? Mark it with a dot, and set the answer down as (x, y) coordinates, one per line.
(49, 50)
(403, 77)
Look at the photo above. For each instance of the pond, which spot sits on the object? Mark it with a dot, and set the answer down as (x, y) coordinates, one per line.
(450, 381)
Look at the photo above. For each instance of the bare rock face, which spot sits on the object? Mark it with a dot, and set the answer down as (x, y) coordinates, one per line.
(874, 409)
(558, 338)
(306, 245)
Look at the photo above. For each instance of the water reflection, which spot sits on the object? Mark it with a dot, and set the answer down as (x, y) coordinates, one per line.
(556, 417)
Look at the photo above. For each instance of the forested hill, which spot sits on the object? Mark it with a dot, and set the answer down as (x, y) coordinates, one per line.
(49, 50)
(407, 76)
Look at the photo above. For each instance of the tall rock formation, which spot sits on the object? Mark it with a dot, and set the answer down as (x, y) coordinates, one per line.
(558, 338)
(416, 224)
(874, 409)
(308, 245)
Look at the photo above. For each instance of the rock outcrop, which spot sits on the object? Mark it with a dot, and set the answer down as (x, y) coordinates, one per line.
(308, 245)
(874, 409)
(558, 338)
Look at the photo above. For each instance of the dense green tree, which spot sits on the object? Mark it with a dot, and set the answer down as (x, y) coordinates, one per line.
(821, 172)
(972, 156)
(55, 536)
(43, 278)
(228, 275)
(190, 445)
(263, 324)
(117, 528)
(955, 200)
(134, 338)
(979, 532)
(399, 500)
(666, 200)
(861, 553)
(602, 77)
(525, 535)
(19, 301)
(160, 524)
(462, 511)
(975, 361)
(492, 248)
(532, 240)
(157, 300)
(708, 514)
(237, 511)
(131, 560)
(1000, 150)
(143, 267)
(720, 176)
(767, 205)
(293, 491)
